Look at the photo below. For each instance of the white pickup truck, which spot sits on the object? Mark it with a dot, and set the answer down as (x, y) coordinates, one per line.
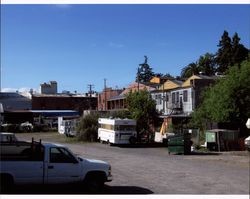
(49, 163)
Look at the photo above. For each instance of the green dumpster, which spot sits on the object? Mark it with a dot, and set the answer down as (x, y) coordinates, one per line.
(179, 144)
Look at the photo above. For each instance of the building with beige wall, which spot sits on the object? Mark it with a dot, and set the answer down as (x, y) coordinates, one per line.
(48, 88)
(180, 98)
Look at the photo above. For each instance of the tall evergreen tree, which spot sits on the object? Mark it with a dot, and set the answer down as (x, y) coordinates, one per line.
(224, 54)
(144, 73)
(230, 52)
(239, 52)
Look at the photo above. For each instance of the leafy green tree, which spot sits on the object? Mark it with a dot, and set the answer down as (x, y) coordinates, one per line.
(142, 108)
(168, 75)
(228, 100)
(119, 114)
(206, 64)
(145, 72)
(189, 70)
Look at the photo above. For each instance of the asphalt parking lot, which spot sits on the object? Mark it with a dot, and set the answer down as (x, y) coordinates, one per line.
(151, 170)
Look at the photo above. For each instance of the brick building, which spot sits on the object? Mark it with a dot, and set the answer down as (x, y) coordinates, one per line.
(106, 95)
(119, 103)
(64, 102)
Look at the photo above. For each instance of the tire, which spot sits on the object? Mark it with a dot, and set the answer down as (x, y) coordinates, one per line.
(132, 140)
(101, 141)
(6, 183)
(94, 182)
(109, 143)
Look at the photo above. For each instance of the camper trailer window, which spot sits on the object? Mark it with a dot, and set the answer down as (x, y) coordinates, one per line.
(125, 128)
(107, 126)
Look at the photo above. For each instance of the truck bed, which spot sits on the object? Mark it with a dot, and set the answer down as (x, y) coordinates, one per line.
(21, 151)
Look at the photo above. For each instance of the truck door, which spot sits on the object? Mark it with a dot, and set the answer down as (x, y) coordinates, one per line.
(27, 172)
(63, 167)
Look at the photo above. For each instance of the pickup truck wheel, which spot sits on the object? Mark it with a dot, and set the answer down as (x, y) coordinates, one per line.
(6, 182)
(94, 183)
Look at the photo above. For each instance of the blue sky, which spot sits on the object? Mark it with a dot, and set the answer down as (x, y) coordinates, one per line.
(77, 45)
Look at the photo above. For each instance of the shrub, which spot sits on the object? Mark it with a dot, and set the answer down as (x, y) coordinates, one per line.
(89, 134)
(88, 128)
(41, 128)
(14, 128)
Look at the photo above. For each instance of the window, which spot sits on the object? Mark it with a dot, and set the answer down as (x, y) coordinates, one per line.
(22, 152)
(185, 95)
(173, 97)
(177, 97)
(124, 127)
(61, 155)
(107, 126)
(167, 98)
(159, 99)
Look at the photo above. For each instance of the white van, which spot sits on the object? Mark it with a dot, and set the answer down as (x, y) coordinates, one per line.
(117, 131)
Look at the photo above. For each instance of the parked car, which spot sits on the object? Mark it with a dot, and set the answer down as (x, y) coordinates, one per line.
(26, 127)
(6, 137)
(247, 143)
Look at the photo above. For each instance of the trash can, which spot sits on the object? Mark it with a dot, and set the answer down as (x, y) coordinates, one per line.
(179, 144)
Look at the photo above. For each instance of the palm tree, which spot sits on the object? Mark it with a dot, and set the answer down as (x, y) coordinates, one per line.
(206, 64)
(189, 70)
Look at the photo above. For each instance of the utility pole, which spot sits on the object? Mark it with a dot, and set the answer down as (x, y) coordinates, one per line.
(90, 86)
(105, 95)
(163, 98)
(138, 84)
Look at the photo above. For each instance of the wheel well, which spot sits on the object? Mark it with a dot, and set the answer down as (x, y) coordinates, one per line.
(96, 174)
(6, 176)
(6, 179)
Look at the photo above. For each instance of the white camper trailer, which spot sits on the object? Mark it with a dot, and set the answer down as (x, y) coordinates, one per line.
(117, 131)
